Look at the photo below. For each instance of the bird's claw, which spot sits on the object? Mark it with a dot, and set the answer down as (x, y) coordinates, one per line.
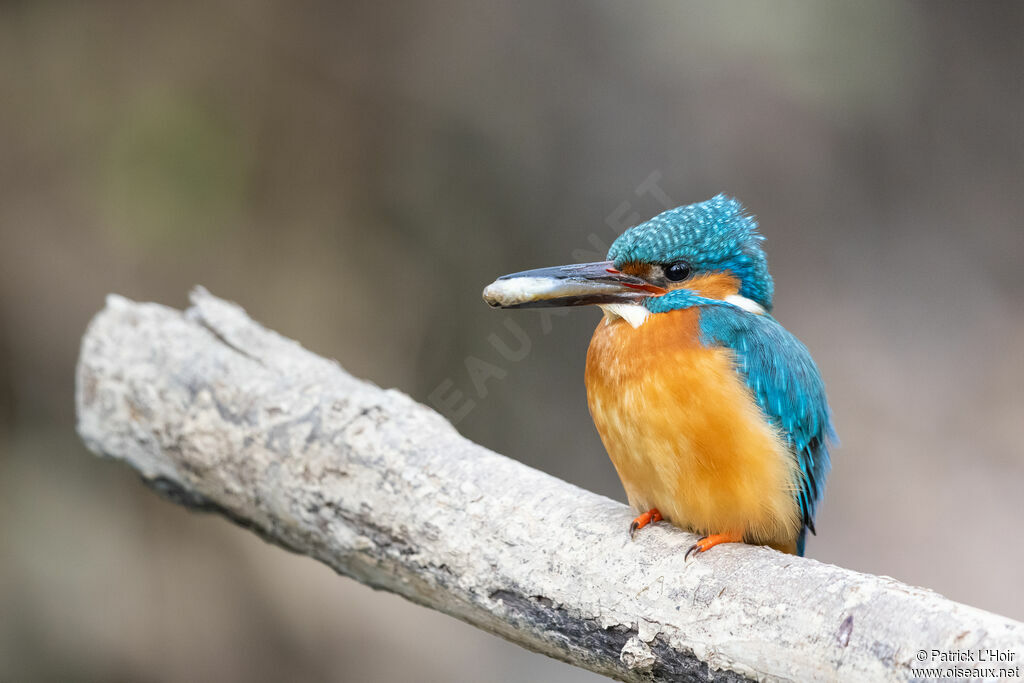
(643, 520)
(710, 541)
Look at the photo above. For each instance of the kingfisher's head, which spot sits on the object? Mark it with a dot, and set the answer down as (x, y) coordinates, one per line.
(711, 249)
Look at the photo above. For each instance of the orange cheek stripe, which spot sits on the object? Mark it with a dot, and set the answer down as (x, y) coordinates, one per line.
(713, 285)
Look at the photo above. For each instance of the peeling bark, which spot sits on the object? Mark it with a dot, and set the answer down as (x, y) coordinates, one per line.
(219, 414)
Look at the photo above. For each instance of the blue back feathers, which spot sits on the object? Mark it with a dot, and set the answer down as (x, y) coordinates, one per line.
(713, 236)
(716, 236)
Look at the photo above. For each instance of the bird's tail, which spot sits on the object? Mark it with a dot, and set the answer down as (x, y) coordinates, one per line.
(801, 540)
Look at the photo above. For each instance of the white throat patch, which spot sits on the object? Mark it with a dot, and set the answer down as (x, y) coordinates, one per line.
(634, 314)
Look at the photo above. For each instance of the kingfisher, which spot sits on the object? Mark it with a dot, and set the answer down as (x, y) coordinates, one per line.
(714, 415)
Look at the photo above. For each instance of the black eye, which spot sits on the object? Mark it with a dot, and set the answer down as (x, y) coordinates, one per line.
(677, 271)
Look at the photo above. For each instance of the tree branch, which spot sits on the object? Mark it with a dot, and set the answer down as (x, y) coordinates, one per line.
(220, 414)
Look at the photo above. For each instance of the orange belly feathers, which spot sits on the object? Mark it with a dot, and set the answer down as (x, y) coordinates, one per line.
(685, 433)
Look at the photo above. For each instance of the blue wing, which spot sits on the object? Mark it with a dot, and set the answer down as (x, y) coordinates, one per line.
(787, 386)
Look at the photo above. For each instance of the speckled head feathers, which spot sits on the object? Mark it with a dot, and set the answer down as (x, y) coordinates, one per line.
(713, 236)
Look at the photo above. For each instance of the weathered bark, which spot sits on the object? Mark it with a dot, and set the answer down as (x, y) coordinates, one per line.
(221, 414)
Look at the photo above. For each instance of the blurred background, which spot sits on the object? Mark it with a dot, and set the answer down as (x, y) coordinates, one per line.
(354, 173)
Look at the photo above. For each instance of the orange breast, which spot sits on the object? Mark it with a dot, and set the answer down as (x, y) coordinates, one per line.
(685, 433)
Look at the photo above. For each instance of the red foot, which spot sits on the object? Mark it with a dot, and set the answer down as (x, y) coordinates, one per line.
(643, 520)
(710, 541)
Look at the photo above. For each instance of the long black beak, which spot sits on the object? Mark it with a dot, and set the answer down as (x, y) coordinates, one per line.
(576, 285)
